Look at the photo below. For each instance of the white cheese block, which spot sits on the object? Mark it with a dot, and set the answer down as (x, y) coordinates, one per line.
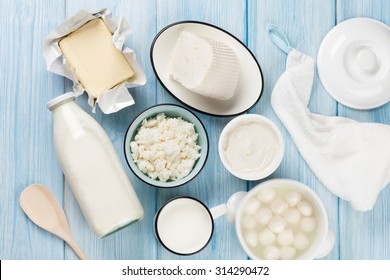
(204, 66)
(98, 64)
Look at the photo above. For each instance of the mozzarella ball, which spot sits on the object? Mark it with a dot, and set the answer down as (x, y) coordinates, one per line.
(278, 206)
(287, 253)
(267, 237)
(250, 238)
(293, 198)
(252, 205)
(249, 222)
(263, 216)
(266, 194)
(301, 241)
(292, 216)
(305, 208)
(277, 224)
(308, 224)
(272, 253)
(286, 237)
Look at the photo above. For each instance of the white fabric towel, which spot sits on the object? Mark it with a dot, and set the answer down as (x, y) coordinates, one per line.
(350, 158)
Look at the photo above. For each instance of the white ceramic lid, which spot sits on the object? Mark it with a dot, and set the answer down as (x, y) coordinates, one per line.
(354, 63)
(250, 84)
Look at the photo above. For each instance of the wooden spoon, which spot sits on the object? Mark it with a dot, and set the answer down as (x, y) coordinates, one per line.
(42, 207)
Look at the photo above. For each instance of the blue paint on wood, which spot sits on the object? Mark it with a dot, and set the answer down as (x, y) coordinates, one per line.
(27, 153)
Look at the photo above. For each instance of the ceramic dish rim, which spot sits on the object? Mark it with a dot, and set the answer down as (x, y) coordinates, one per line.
(184, 181)
(220, 29)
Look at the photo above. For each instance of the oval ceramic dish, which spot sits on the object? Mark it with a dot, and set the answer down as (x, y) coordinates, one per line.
(354, 63)
(169, 110)
(250, 84)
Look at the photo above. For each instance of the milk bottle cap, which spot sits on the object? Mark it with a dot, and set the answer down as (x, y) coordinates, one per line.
(59, 99)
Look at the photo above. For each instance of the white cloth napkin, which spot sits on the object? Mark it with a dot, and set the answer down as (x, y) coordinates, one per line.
(350, 158)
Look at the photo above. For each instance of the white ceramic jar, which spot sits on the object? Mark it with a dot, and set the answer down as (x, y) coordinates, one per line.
(93, 169)
(299, 199)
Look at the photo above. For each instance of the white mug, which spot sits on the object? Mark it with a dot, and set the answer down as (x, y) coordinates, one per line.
(184, 225)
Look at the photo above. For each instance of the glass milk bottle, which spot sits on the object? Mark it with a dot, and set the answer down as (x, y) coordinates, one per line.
(93, 169)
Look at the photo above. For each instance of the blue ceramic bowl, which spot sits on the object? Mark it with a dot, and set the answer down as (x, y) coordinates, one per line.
(170, 110)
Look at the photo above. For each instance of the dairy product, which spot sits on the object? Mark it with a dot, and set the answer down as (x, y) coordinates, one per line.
(272, 253)
(263, 216)
(252, 206)
(286, 237)
(205, 66)
(249, 222)
(287, 253)
(283, 232)
(251, 238)
(305, 208)
(165, 148)
(277, 224)
(267, 237)
(93, 169)
(251, 148)
(308, 224)
(293, 198)
(184, 225)
(266, 195)
(97, 63)
(278, 206)
(292, 216)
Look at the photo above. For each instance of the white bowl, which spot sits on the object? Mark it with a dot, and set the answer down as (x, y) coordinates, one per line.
(324, 238)
(277, 145)
(170, 110)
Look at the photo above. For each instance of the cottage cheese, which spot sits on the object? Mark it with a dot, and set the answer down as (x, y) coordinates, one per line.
(165, 148)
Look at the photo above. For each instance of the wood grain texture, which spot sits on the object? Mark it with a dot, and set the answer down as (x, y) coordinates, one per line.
(305, 23)
(26, 143)
(136, 241)
(214, 184)
(365, 235)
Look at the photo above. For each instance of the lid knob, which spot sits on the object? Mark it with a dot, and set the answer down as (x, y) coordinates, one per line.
(367, 60)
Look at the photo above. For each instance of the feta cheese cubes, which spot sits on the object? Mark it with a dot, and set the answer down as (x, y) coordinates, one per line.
(204, 66)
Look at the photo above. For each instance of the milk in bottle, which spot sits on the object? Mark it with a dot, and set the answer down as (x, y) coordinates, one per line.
(93, 168)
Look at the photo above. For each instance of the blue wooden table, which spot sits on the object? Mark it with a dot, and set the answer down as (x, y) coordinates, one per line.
(26, 144)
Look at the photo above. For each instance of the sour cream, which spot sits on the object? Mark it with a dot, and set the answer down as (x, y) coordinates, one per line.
(251, 147)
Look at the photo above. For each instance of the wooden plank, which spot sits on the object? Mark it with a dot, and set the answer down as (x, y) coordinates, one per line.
(305, 23)
(214, 184)
(136, 241)
(365, 235)
(26, 143)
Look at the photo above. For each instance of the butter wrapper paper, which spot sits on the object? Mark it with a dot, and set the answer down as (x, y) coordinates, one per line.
(116, 98)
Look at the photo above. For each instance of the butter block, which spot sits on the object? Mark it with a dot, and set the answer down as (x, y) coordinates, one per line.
(98, 64)
(204, 66)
